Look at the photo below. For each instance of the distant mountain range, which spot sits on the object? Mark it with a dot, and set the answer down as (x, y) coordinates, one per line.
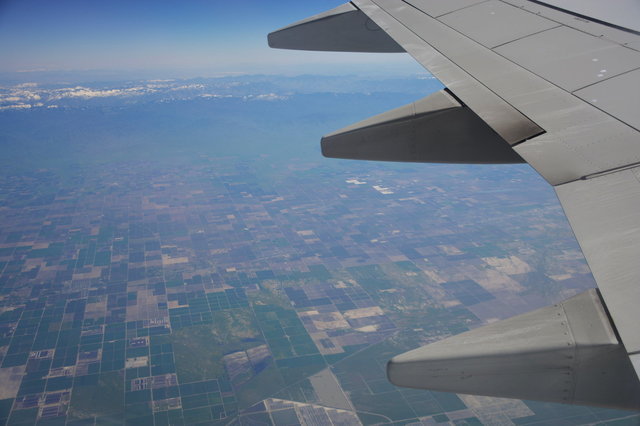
(66, 124)
(246, 87)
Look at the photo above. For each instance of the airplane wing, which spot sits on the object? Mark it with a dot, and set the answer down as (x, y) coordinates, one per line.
(553, 83)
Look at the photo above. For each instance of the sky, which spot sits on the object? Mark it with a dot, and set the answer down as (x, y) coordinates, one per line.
(188, 37)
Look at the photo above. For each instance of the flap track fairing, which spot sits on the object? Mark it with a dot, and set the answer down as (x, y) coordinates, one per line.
(567, 353)
(435, 129)
(343, 29)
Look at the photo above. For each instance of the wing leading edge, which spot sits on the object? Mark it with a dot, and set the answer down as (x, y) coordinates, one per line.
(529, 82)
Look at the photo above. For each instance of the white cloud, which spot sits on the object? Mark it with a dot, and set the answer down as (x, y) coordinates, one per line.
(17, 106)
(188, 87)
(87, 93)
(20, 96)
(213, 95)
(265, 97)
(25, 94)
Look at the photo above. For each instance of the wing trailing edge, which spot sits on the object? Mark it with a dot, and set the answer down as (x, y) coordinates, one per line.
(568, 353)
(435, 129)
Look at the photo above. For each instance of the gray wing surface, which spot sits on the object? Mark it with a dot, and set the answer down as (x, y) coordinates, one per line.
(558, 88)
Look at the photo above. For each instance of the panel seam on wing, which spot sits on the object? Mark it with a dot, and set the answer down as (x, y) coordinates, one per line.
(461, 69)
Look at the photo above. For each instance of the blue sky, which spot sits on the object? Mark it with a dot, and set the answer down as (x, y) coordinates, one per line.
(188, 37)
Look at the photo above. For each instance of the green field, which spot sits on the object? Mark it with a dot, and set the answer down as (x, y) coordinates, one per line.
(198, 349)
(99, 396)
